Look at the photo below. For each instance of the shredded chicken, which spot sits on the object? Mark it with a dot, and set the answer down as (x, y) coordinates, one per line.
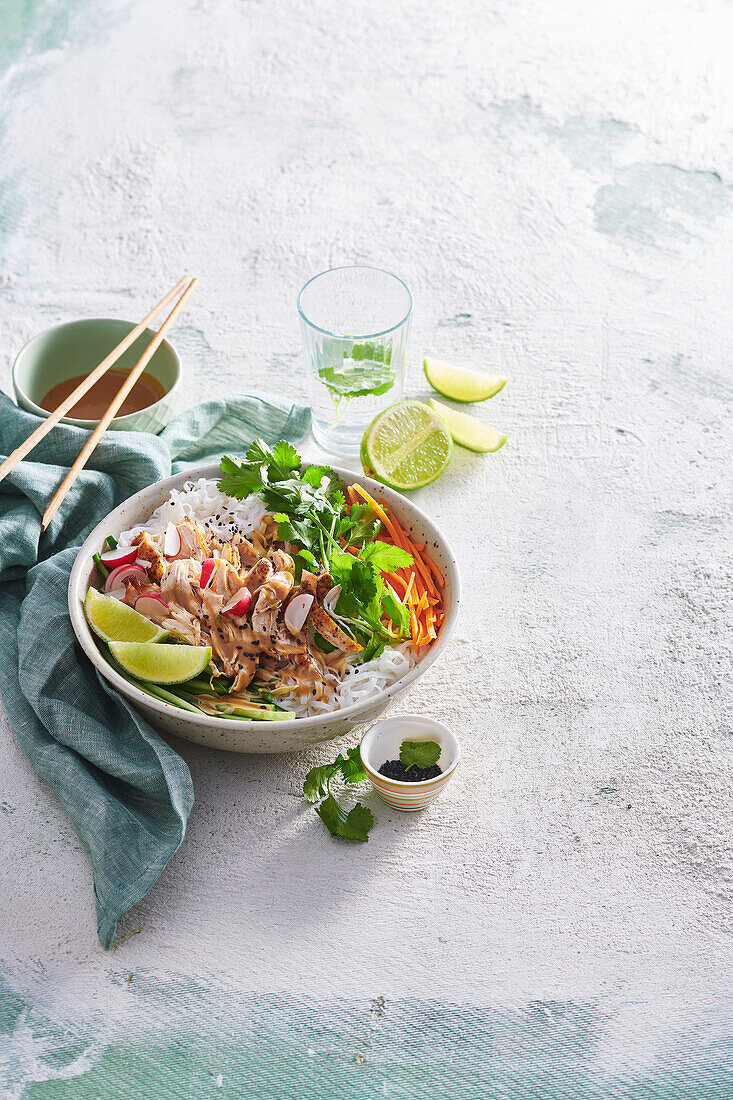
(282, 562)
(256, 646)
(194, 544)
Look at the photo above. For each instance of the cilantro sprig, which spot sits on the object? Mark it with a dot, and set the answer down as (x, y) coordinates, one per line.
(310, 510)
(307, 506)
(355, 824)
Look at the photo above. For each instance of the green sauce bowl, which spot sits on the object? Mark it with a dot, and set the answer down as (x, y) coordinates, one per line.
(77, 347)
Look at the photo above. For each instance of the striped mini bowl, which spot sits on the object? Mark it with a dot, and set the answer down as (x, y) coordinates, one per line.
(382, 742)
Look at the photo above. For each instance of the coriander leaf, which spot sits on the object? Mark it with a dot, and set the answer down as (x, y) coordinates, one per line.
(352, 826)
(364, 585)
(352, 769)
(384, 558)
(359, 821)
(324, 479)
(239, 479)
(359, 585)
(396, 610)
(259, 452)
(421, 754)
(316, 783)
(374, 648)
(261, 466)
(358, 377)
(359, 526)
(285, 460)
(291, 530)
(340, 567)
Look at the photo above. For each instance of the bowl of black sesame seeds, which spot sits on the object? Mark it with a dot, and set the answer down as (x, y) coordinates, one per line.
(409, 759)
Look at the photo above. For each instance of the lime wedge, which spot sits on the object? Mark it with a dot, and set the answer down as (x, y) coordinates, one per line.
(461, 384)
(406, 446)
(467, 430)
(159, 663)
(113, 621)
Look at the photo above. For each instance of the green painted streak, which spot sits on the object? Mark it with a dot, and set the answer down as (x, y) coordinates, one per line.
(32, 27)
(654, 204)
(269, 1047)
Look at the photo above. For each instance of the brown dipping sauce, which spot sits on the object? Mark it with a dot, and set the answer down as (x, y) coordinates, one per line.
(95, 402)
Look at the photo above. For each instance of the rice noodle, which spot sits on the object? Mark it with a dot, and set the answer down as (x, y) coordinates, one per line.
(360, 682)
(202, 501)
(223, 515)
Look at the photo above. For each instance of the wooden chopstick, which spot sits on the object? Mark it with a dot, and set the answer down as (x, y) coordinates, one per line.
(68, 403)
(115, 405)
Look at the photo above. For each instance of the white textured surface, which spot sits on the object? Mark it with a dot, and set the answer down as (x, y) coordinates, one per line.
(554, 183)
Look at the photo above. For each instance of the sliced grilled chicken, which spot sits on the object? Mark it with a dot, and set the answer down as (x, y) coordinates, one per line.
(248, 556)
(331, 631)
(148, 551)
(258, 574)
(226, 550)
(309, 583)
(324, 584)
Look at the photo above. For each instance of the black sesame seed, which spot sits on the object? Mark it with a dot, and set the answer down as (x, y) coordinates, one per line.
(395, 769)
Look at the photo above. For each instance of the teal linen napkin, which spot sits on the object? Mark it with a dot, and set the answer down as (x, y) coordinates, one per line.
(127, 792)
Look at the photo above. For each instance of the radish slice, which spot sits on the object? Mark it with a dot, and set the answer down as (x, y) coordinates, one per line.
(239, 604)
(142, 562)
(121, 556)
(208, 568)
(118, 576)
(118, 594)
(151, 605)
(172, 541)
(297, 612)
(332, 598)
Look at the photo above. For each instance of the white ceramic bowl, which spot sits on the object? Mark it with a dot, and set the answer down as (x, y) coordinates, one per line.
(258, 737)
(382, 742)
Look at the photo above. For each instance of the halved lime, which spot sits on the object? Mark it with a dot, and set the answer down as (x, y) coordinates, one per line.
(159, 663)
(467, 430)
(406, 446)
(461, 384)
(113, 621)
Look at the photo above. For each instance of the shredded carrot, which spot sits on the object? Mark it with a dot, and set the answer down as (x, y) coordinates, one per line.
(400, 579)
(434, 570)
(418, 583)
(414, 626)
(380, 512)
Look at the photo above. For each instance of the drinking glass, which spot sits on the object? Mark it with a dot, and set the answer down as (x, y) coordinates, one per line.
(355, 323)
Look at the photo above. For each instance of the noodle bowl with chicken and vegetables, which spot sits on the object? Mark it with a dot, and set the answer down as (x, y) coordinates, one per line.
(308, 593)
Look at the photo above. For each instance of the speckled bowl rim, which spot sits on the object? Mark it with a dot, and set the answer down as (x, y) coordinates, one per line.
(404, 508)
(401, 784)
(119, 422)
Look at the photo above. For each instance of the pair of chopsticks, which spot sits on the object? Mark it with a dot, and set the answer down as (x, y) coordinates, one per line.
(68, 403)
